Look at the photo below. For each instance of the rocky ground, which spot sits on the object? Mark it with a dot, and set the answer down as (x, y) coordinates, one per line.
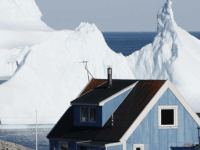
(11, 146)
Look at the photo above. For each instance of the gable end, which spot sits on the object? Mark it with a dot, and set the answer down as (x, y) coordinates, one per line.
(153, 101)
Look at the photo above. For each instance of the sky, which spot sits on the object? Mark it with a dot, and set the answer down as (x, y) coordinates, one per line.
(117, 15)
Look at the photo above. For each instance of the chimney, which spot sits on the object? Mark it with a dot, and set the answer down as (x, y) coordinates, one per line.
(109, 77)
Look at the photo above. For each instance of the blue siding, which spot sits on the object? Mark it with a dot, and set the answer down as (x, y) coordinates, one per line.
(72, 145)
(117, 147)
(53, 145)
(109, 108)
(153, 138)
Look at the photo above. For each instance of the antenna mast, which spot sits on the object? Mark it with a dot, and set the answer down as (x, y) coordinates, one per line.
(88, 72)
(86, 68)
(36, 131)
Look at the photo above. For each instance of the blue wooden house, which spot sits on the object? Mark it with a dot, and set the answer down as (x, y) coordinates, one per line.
(126, 115)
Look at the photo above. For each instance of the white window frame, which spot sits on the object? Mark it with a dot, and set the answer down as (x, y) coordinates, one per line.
(89, 115)
(141, 146)
(81, 114)
(175, 108)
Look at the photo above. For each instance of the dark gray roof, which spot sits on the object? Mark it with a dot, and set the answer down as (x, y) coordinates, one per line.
(102, 92)
(124, 116)
(198, 114)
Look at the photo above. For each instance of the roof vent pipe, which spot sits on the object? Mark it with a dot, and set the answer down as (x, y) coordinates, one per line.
(112, 120)
(109, 77)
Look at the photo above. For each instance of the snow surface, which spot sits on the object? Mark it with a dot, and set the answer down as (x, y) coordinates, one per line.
(50, 75)
(12, 9)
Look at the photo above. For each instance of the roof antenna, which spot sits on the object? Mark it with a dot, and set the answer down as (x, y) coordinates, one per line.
(86, 68)
(88, 72)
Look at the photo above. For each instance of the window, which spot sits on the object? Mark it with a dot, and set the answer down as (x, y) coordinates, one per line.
(63, 145)
(84, 114)
(138, 147)
(168, 116)
(83, 148)
(92, 114)
(88, 114)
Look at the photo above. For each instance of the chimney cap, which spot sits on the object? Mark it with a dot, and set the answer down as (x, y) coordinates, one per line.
(109, 77)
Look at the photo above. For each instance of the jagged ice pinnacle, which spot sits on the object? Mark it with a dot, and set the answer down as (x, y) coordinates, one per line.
(174, 55)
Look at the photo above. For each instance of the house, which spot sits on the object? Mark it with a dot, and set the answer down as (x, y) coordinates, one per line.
(126, 115)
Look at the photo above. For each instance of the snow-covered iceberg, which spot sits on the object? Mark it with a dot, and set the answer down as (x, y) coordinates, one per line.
(20, 27)
(50, 74)
(174, 54)
(21, 15)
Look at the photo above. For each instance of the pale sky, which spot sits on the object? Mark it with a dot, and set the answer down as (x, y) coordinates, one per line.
(117, 15)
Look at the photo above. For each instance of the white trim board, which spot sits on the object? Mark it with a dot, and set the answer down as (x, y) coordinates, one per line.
(153, 101)
(138, 146)
(113, 144)
(124, 145)
(118, 93)
(175, 109)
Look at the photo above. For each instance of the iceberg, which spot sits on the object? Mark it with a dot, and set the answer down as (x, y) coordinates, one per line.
(174, 55)
(20, 27)
(48, 73)
(52, 74)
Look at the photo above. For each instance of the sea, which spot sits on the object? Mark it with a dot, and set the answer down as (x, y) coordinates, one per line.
(120, 42)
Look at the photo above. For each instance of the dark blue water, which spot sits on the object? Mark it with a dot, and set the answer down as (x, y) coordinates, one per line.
(196, 34)
(125, 43)
(26, 137)
(128, 42)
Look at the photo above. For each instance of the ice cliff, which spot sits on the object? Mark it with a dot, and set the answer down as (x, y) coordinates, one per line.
(20, 27)
(174, 54)
(50, 73)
